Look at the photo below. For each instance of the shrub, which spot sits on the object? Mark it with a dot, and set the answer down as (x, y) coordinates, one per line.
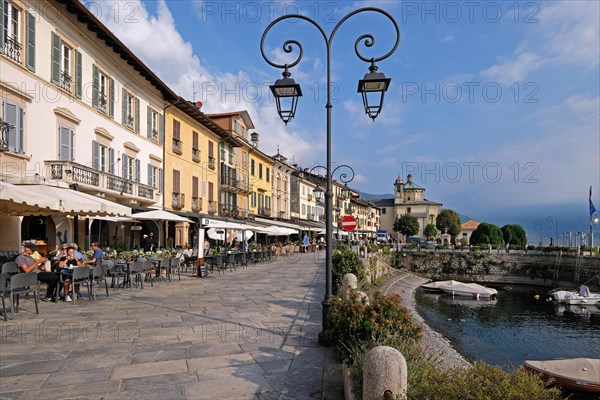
(352, 322)
(344, 261)
(481, 381)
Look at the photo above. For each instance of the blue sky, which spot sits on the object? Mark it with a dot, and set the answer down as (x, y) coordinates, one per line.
(493, 106)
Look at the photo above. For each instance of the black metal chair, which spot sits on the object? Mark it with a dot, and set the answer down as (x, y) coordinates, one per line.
(230, 262)
(3, 291)
(10, 268)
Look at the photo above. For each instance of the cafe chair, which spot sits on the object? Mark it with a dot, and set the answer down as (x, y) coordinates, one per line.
(81, 276)
(23, 284)
(10, 268)
(99, 276)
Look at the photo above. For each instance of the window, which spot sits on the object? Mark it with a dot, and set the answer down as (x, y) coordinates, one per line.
(303, 209)
(236, 125)
(154, 125)
(268, 173)
(408, 210)
(222, 146)
(383, 210)
(100, 157)
(12, 138)
(103, 88)
(252, 167)
(195, 149)
(11, 23)
(154, 174)
(244, 133)
(253, 199)
(65, 149)
(176, 137)
(65, 67)
(230, 154)
(130, 111)
(260, 170)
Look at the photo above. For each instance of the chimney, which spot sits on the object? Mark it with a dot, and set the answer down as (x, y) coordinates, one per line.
(199, 105)
(254, 139)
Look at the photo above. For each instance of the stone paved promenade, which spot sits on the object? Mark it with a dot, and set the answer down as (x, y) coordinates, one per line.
(247, 334)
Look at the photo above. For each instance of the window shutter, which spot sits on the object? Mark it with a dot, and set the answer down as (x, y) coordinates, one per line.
(149, 174)
(210, 191)
(1, 27)
(194, 186)
(30, 53)
(149, 120)
(161, 181)
(64, 143)
(95, 155)
(211, 149)
(124, 106)
(95, 85)
(124, 167)
(55, 65)
(161, 129)
(176, 129)
(138, 167)
(111, 161)
(20, 147)
(111, 95)
(78, 76)
(195, 140)
(137, 115)
(10, 116)
(176, 183)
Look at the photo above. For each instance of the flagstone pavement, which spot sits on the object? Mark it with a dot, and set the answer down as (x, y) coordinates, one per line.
(245, 334)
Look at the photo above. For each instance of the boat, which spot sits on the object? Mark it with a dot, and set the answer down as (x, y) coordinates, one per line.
(575, 374)
(456, 288)
(582, 297)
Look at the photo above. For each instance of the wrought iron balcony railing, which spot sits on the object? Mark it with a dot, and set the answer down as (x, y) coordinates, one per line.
(92, 178)
(102, 102)
(310, 217)
(177, 146)
(211, 162)
(12, 48)
(178, 200)
(212, 207)
(129, 121)
(264, 211)
(196, 155)
(65, 81)
(196, 204)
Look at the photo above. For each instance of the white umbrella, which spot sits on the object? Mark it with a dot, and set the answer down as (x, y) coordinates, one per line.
(160, 215)
(216, 234)
(244, 235)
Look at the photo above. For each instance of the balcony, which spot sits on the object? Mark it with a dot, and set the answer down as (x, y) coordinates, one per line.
(264, 211)
(154, 135)
(310, 217)
(229, 210)
(348, 210)
(212, 207)
(177, 146)
(196, 204)
(195, 155)
(12, 48)
(211, 162)
(178, 200)
(322, 218)
(94, 181)
(129, 122)
(102, 102)
(65, 81)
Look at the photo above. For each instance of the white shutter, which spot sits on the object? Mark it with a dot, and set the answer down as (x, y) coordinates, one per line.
(10, 117)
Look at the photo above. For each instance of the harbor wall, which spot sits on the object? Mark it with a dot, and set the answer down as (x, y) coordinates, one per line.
(551, 270)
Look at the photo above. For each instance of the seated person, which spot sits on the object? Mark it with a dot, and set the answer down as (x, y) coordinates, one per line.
(96, 257)
(78, 254)
(29, 265)
(65, 265)
(62, 252)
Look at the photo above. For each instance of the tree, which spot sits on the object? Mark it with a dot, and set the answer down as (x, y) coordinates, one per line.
(407, 225)
(430, 231)
(514, 234)
(487, 234)
(448, 222)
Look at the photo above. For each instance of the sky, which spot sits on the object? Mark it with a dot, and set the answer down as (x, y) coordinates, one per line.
(493, 106)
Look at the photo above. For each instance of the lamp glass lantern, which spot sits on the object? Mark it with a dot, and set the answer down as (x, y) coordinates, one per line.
(346, 192)
(286, 92)
(373, 87)
(318, 192)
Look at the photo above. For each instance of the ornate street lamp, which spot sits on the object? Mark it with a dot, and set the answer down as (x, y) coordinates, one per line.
(372, 88)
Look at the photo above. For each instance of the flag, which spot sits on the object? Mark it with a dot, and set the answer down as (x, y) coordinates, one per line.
(592, 208)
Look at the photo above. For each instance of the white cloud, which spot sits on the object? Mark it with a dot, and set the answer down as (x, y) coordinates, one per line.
(513, 70)
(447, 39)
(173, 59)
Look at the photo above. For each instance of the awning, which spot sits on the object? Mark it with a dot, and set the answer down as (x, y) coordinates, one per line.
(70, 202)
(159, 215)
(20, 200)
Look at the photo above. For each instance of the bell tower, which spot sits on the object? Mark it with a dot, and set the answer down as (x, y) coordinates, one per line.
(399, 191)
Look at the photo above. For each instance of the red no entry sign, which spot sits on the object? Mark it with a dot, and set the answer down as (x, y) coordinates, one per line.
(349, 223)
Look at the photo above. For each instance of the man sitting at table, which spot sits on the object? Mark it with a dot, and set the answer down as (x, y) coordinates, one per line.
(29, 265)
(96, 257)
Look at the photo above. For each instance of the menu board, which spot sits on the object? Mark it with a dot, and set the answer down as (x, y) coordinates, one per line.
(203, 272)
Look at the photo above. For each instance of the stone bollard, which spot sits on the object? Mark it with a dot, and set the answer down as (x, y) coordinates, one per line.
(384, 373)
(349, 282)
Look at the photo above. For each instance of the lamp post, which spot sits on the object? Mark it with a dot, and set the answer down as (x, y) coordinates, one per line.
(553, 221)
(538, 225)
(596, 220)
(372, 88)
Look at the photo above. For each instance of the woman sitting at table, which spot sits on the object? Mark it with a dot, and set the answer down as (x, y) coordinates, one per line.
(65, 266)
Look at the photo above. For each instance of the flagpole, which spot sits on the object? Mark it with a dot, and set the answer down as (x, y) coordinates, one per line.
(592, 210)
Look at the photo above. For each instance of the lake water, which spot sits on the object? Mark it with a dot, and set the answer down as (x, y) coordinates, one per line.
(514, 328)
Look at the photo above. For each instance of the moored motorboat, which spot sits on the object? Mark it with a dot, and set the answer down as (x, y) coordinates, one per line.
(456, 288)
(581, 297)
(575, 374)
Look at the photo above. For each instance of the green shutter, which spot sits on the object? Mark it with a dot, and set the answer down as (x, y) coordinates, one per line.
(137, 115)
(124, 107)
(30, 52)
(1, 27)
(95, 85)
(111, 95)
(55, 66)
(161, 129)
(78, 73)
(149, 120)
